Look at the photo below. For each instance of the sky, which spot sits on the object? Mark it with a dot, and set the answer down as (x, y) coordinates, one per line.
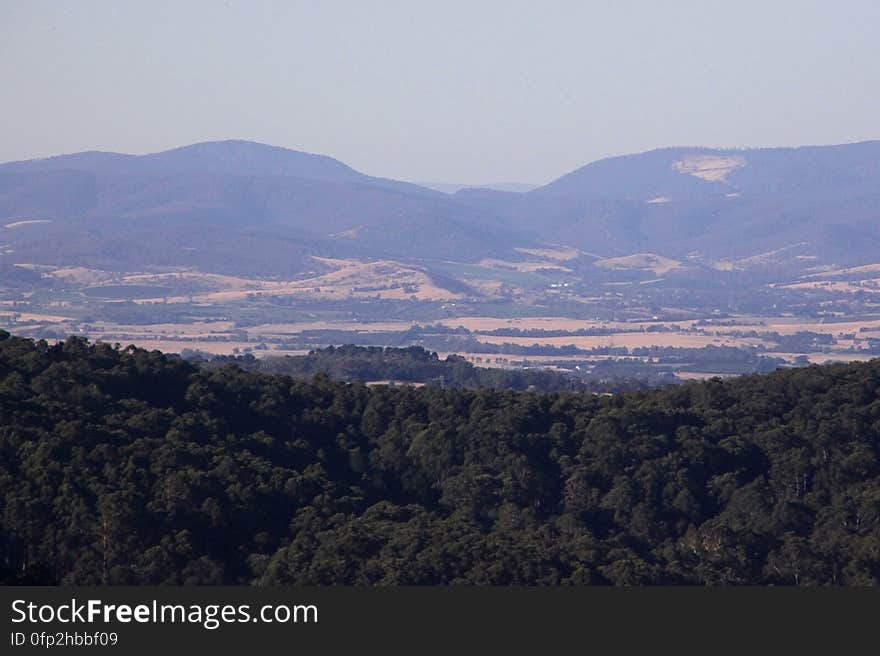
(449, 91)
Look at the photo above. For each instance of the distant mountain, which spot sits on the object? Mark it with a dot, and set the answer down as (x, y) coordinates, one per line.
(682, 173)
(232, 157)
(236, 206)
(719, 203)
(118, 210)
(446, 188)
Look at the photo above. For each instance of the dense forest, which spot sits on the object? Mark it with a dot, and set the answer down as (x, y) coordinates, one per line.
(124, 466)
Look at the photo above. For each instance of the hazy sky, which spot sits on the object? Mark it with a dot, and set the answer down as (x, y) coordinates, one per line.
(447, 91)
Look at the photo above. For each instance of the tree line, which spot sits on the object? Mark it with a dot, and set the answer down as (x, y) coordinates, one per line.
(414, 364)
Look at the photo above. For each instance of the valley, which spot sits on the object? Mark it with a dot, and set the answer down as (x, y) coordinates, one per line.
(587, 316)
(667, 265)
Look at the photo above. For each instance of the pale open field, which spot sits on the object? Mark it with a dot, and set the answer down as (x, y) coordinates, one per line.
(385, 279)
(34, 317)
(866, 268)
(223, 337)
(194, 330)
(294, 328)
(551, 323)
(525, 267)
(649, 261)
(781, 325)
(790, 326)
(561, 254)
(629, 340)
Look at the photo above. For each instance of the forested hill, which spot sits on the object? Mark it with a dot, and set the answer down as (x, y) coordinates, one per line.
(127, 466)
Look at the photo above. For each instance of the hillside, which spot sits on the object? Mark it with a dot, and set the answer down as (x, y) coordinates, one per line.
(107, 210)
(101, 209)
(130, 467)
(722, 203)
(232, 157)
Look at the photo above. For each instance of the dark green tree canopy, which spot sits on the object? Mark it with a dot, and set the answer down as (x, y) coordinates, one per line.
(125, 466)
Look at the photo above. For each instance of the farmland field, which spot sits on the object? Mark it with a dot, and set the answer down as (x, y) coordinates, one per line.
(556, 308)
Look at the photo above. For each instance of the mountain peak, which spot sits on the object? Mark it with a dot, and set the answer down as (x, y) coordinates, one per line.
(226, 157)
(239, 157)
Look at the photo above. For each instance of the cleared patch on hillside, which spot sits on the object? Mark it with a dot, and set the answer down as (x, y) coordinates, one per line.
(712, 168)
(525, 267)
(778, 256)
(848, 286)
(848, 271)
(383, 279)
(561, 254)
(647, 261)
(19, 224)
(81, 275)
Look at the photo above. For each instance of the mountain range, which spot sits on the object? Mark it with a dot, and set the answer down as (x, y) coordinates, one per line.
(248, 208)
